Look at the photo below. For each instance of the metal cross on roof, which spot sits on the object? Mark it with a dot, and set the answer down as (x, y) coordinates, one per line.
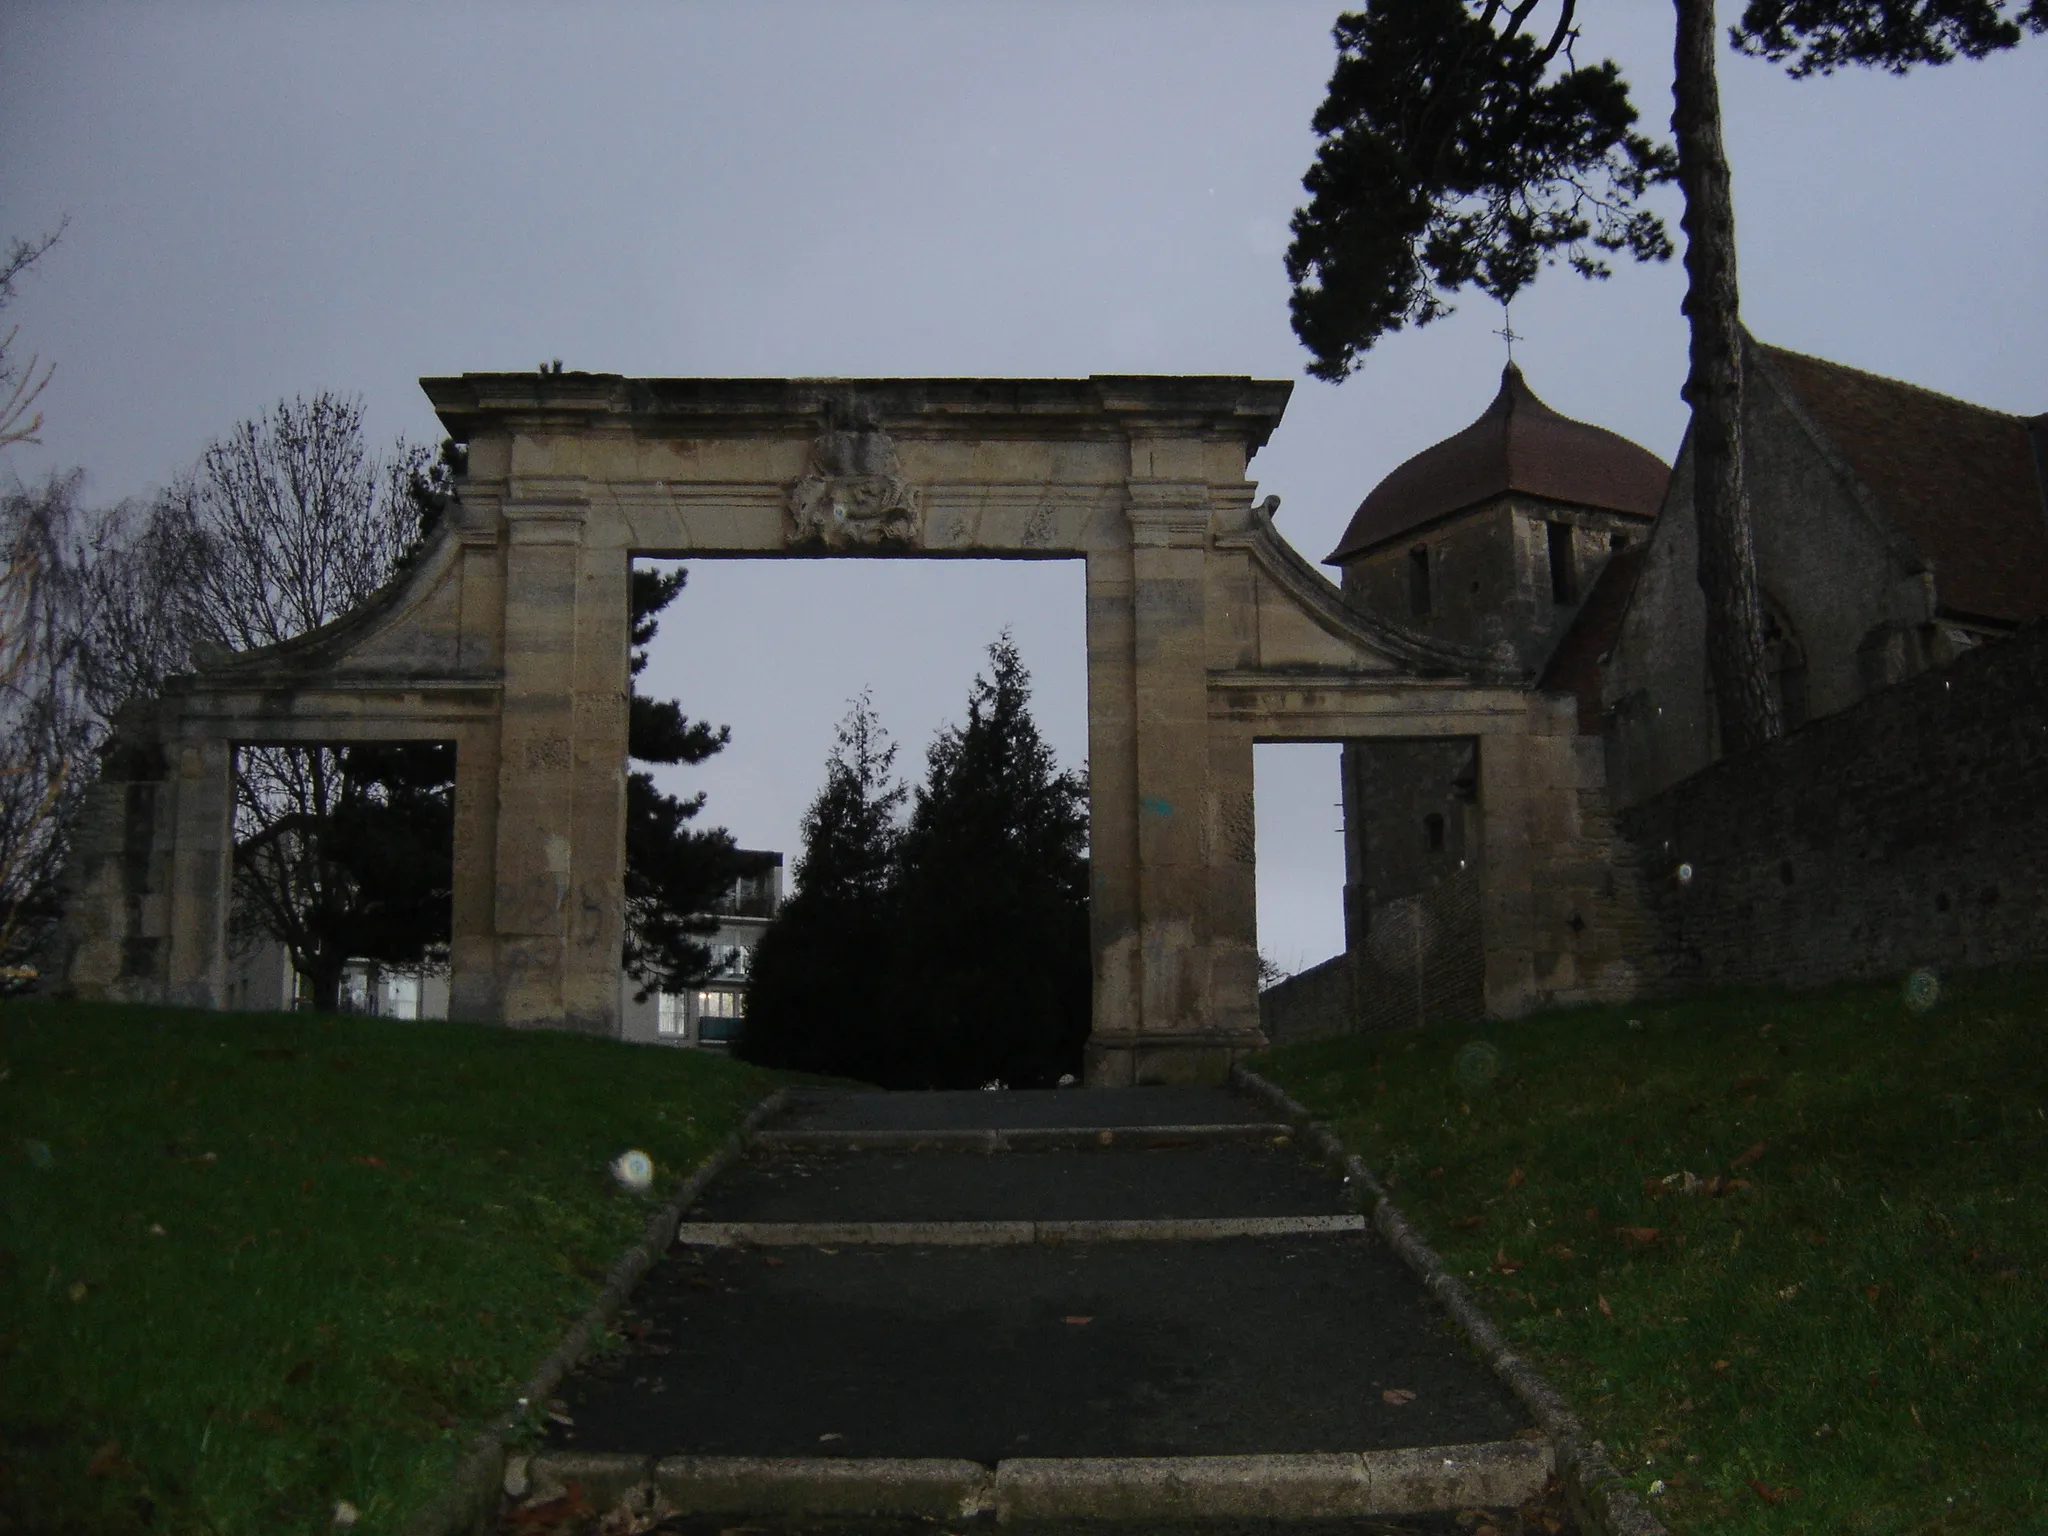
(1508, 333)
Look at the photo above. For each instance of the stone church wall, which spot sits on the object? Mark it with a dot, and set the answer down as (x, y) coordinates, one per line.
(1310, 1005)
(1828, 563)
(1424, 958)
(1489, 573)
(1909, 829)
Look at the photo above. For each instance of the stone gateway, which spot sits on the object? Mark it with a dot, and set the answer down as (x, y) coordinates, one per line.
(1207, 633)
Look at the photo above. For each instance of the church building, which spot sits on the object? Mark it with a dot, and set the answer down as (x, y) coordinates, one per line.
(1894, 528)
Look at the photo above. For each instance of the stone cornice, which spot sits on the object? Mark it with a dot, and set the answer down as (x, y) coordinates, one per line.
(1238, 408)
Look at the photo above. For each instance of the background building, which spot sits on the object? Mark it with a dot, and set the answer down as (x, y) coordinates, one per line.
(709, 1013)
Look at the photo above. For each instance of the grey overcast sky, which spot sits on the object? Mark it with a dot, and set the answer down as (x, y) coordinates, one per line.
(270, 199)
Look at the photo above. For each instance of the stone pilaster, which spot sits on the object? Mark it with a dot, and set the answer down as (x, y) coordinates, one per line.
(1112, 795)
(201, 870)
(560, 817)
(1183, 879)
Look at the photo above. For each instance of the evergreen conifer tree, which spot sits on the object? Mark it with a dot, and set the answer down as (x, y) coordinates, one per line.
(675, 874)
(814, 1002)
(992, 976)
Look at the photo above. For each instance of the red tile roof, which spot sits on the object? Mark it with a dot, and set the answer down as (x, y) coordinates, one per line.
(1574, 666)
(1517, 444)
(1961, 482)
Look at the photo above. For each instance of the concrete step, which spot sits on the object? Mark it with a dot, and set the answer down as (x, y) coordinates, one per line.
(1245, 1346)
(1133, 1495)
(1117, 1183)
(1071, 1109)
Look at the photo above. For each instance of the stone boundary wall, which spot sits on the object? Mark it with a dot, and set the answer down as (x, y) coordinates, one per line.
(1309, 1005)
(1449, 953)
(1909, 829)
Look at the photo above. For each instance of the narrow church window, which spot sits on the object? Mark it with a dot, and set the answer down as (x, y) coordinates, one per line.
(1418, 580)
(1563, 586)
(1433, 829)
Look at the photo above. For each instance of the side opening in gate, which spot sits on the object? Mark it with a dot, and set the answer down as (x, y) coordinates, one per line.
(1304, 972)
(343, 878)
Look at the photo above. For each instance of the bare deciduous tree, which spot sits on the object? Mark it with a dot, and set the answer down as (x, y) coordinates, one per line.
(284, 525)
(47, 726)
(19, 384)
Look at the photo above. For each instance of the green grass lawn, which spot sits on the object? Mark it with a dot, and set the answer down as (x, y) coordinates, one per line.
(252, 1265)
(1847, 1334)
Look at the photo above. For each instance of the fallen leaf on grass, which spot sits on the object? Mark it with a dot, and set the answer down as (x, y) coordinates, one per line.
(1639, 1237)
(831, 1435)
(1077, 1322)
(107, 1461)
(1397, 1396)
(78, 1290)
(1744, 1159)
(1434, 1173)
(1561, 1251)
(1605, 1310)
(570, 1506)
(1712, 1187)
(1719, 1367)
(372, 1161)
(1502, 1263)
(775, 1261)
(1467, 1223)
(298, 1373)
(1517, 1179)
(1772, 1495)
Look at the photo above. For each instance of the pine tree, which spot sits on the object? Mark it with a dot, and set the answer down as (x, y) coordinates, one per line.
(675, 874)
(992, 976)
(815, 998)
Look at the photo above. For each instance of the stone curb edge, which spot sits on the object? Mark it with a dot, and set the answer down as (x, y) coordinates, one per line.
(1003, 1234)
(468, 1506)
(1402, 1481)
(1600, 1498)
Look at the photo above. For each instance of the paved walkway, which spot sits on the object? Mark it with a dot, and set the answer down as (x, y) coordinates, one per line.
(1102, 1340)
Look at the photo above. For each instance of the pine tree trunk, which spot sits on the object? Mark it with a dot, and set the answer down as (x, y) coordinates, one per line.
(1736, 663)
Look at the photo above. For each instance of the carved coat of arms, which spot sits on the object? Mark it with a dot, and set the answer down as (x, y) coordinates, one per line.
(854, 495)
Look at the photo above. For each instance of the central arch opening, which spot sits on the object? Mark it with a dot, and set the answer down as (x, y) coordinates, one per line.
(779, 650)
